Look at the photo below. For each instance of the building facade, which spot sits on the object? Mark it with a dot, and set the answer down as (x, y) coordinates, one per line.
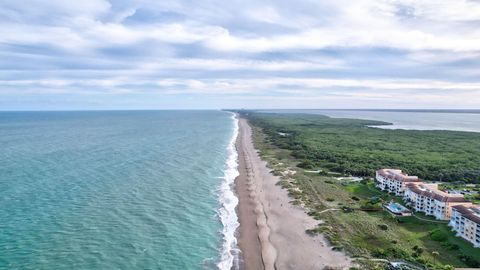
(394, 181)
(428, 199)
(465, 222)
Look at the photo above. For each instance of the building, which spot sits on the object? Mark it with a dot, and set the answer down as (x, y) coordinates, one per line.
(394, 181)
(427, 198)
(465, 222)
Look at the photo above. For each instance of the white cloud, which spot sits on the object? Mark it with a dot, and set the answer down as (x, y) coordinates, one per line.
(353, 24)
(48, 11)
(251, 86)
(254, 48)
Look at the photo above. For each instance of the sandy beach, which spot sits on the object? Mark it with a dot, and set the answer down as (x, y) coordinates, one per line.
(272, 231)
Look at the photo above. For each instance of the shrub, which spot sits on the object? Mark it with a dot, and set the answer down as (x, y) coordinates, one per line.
(337, 248)
(397, 253)
(451, 246)
(418, 251)
(310, 231)
(438, 235)
(306, 164)
(383, 226)
(276, 172)
(470, 261)
(379, 253)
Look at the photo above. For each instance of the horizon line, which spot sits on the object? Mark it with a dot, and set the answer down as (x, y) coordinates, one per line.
(466, 110)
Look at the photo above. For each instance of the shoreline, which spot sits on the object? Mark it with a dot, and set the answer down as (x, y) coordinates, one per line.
(272, 233)
(229, 256)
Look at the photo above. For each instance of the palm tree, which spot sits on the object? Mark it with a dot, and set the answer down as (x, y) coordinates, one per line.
(435, 254)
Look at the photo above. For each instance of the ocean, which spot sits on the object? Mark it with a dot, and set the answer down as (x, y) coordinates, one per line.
(458, 120)
(117, 190)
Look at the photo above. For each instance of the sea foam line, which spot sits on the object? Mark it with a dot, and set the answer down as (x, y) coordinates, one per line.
(228, 200)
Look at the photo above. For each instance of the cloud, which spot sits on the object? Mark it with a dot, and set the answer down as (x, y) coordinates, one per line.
(52, 12)
(353, 52)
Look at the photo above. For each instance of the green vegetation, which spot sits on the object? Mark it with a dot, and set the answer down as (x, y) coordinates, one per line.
(351, 214)
(348, 146)
(470, 191)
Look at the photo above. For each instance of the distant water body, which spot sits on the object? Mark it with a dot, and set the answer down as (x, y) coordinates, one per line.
(117, 190)
(410, 119)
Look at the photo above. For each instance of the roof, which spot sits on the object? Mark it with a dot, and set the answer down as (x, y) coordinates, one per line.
(435, 193)
(470, 212)
(398, 175)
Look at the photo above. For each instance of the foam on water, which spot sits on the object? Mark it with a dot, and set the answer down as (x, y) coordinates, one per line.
(228, 200)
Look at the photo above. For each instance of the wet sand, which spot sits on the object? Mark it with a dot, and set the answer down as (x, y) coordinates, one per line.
(272, 231)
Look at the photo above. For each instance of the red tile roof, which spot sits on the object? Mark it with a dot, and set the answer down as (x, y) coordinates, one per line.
(398, 175)
(435, 194)
(469, 212)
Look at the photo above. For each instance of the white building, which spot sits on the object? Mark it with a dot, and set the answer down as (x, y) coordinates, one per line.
(394, 181)
(427, 198)
(465, 222)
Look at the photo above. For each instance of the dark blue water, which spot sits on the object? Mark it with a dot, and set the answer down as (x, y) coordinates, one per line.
(112, 190)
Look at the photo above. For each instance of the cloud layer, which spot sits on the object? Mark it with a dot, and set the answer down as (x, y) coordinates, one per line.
(99, 54)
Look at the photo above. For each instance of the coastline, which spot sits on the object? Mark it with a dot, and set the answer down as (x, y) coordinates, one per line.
(229, 257)
(272, 230)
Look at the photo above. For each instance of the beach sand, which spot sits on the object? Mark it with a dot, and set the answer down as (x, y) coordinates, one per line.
(272, 231)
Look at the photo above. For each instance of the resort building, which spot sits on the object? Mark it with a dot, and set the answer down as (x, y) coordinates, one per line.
(423, 197)
(427, 198)
(394, 181)
(466, 222)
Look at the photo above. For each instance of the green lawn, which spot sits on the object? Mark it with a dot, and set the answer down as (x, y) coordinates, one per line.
(365, 190)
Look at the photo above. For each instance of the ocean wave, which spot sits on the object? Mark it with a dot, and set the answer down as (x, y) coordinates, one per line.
(228, 200)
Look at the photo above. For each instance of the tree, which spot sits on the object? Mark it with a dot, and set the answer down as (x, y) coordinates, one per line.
(434, 255)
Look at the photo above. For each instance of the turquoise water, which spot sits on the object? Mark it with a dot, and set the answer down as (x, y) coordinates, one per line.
(115, 190)
(396, 208)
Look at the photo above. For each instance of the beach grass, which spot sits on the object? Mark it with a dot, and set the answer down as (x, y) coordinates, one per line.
(364, 234)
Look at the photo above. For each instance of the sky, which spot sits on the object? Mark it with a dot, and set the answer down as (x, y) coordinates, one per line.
(211, 54)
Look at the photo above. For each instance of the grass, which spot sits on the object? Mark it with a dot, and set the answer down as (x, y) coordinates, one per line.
(365, 190)
(374, 234)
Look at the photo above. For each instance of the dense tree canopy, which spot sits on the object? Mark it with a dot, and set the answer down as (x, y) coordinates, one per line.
(350, 146)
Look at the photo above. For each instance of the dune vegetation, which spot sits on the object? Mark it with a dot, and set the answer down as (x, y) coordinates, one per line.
(349, 212)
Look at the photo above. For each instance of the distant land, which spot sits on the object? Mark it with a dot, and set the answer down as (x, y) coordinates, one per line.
(407, 119)
(474, 111)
